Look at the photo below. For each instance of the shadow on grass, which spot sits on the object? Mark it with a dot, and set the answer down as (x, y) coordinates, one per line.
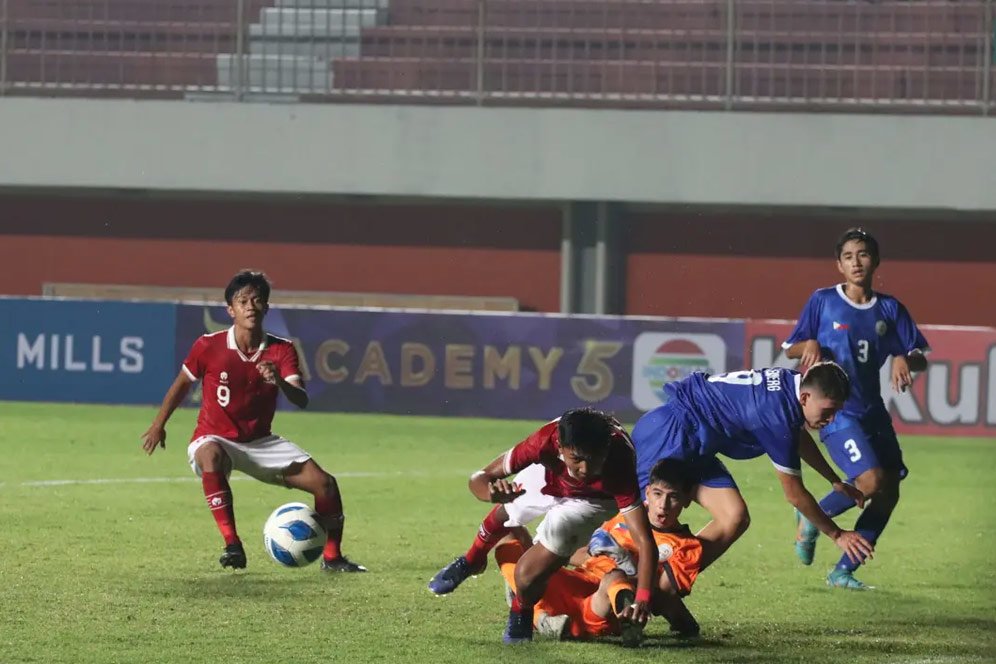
(246, 585)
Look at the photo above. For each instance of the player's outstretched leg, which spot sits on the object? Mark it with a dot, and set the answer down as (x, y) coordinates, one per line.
(329, 507)
(328, 504)
(472, 563)
(805, 539)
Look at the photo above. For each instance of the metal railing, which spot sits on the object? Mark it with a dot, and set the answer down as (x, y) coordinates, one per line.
(902, 55)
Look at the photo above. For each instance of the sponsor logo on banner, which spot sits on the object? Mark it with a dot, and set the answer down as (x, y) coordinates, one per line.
(661, 358)
(86, 350)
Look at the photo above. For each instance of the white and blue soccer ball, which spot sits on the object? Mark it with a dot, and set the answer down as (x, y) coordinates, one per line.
(293, 535)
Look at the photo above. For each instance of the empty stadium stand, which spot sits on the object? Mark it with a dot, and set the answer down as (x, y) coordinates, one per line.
(918, 53)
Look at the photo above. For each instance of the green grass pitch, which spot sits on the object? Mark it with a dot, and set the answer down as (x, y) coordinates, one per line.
(120, 565)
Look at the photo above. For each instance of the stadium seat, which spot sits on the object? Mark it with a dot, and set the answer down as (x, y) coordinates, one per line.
(926, 52)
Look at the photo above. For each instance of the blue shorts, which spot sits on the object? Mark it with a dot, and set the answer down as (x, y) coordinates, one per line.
(856, 446)
(668, 432)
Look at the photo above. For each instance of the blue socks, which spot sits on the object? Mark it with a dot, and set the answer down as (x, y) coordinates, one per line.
(870, 524)
(835, 504)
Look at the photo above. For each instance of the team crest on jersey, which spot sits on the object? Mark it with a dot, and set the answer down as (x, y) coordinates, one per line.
(224, 376)
(664, 551)
(881, 327)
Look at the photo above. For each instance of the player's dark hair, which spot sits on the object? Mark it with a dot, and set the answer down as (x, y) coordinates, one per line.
(860, 235)
(829, 379)
(245, 278)
(673, 472)
(586, 430)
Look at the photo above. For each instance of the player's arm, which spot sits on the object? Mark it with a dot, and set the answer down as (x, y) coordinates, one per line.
(292, 386)
(850, 542)
(808, 352)
(908, 355)
(903, 367)
(155, 436)
(802, 344)
(490, 484)
(810, 453)
(646, 566)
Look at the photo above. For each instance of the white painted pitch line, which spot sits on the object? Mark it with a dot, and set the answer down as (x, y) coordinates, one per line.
(164, 480)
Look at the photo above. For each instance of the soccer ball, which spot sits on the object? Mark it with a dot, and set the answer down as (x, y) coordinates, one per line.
(293, 535)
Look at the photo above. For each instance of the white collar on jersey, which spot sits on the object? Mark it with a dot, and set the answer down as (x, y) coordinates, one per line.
(867, 305)
(234, 346)
(798, 386)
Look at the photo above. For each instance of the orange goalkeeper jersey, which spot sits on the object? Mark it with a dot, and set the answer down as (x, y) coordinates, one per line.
(680, 553)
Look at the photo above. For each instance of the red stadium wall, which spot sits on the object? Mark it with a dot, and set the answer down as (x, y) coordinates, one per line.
(679, 264)
(749, 266)
(484, 250)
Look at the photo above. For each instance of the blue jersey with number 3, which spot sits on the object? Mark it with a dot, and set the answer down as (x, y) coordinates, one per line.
(744, 414)
(860, 338)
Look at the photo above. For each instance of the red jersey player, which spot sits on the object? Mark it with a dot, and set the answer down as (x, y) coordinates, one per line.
(243, 369)
(576, 472)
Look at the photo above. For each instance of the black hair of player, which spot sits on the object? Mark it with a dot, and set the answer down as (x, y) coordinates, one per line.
(586, 431)
(859, 235)
(830, 379)
(245, 278)
(675, 473)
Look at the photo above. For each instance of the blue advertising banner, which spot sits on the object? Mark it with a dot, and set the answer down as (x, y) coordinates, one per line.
(89, 351)
(531, 366)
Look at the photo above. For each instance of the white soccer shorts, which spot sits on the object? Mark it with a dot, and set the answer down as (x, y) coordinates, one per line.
(265, 458)
(567, 523)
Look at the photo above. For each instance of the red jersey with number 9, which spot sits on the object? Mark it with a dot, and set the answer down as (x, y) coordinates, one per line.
(237, 403)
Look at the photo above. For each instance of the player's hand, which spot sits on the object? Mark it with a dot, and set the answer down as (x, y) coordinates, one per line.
(902, 377)
(154, 437)
(503, 491)
(268, 370)
(637, 612)
(857, 548)
(852, 492)
(811, 354)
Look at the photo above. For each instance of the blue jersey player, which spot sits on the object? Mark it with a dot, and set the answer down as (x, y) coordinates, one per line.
(743, 415)
(859, 329)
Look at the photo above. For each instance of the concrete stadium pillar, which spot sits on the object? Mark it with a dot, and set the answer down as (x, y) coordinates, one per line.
(592, 259)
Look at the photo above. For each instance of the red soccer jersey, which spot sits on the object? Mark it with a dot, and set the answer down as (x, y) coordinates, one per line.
(617, 481)
(237, 403)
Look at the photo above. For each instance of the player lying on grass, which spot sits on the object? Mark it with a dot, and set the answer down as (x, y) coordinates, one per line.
(743, 415)
(859, 329)
(594, 599)
(575, 472)
(243, 369)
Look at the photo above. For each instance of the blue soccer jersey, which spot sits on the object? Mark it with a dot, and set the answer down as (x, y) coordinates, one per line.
(741, 415)
(860, 338)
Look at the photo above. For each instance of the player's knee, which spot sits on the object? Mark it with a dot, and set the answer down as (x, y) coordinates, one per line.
(210, 457)
(610, 578)
(330, 485)
(737, 520)
(871, 481)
